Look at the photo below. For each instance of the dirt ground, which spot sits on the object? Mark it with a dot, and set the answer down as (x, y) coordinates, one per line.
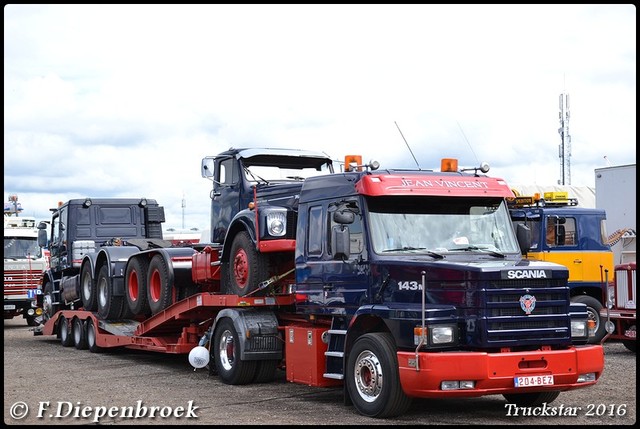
(45, 383)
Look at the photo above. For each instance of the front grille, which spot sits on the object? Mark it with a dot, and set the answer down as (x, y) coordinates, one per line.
(506, 319)
(21, 280)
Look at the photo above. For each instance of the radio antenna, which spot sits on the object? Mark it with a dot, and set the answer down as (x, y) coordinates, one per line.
(405, 141)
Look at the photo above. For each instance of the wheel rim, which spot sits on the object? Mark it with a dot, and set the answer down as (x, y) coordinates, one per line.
(77, 331)
(86, 285)
(241, 268)
(596, 318)
(368, 376)
(102, 291)
(47, 306)
(226, 350)
(63, 330)
(133, 285)
(91, 334)
(155, 285)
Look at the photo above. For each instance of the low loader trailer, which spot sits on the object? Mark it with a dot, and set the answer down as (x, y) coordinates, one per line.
(393, 284)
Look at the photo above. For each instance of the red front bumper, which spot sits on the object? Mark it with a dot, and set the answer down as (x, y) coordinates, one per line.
(494, 373)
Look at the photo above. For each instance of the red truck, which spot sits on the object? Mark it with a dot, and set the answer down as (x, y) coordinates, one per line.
(394, 284)
(620, 312)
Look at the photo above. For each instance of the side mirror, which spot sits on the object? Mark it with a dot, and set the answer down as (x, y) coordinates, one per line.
(344, 217)
(340, 242)
(42, 236)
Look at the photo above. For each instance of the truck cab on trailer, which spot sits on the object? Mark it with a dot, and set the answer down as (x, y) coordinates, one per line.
(564, 233)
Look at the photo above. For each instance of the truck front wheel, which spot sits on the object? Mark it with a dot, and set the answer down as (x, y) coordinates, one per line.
(48, 306)
(593, 309)
(225, 352)
(373, 381)
(247, 266)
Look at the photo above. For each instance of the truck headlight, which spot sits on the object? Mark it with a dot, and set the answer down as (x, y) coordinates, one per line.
(435, 335)
(579, 329)
(441, 334)
(276, 224)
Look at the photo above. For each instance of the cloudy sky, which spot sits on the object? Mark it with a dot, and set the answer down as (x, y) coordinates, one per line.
(125, 100)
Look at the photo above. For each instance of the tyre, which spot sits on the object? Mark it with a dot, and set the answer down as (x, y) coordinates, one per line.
(532, 399)
(109, 306)
(136, 286)
(88, 289)
(48, 306)
(373, 380)
(79, 333)
(92, 334)
(630, 344)
(64, 330)
(266, 371)
(160, 289)
(31, 321)
(225, 354)
(593, 308)
(247, 267)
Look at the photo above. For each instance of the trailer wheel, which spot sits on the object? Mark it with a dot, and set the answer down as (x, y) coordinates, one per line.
(532, 399)
(48, 306)
(160, 291)
(593, 309)
(373, 380)
(88, 289)
(109, 306)
(79, 334)
(64, 330)
(136, 286)
(266, 371)
(630, 344)
(247, 266)
(92, 334)
(225, 353)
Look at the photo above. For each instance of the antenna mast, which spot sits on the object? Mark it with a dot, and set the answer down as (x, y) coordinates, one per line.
(407, 143)
(565, 141)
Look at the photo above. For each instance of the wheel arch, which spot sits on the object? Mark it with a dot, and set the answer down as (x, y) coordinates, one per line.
(360, 325)
(243, 221)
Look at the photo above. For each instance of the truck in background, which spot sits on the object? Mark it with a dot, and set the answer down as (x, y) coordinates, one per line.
(24, 263)
(394, 284)
(620, 313)
(564, 233)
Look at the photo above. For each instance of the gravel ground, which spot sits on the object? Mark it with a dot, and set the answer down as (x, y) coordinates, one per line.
(61, 384)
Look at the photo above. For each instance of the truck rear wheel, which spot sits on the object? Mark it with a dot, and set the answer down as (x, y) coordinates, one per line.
(88, 289)
(79, 334)
(532, 399)
(160, 291)
(64, 331)
(372, 379)
(109, 306)
(136, 286)
(225, 352)
(593, 309)
(247, 266)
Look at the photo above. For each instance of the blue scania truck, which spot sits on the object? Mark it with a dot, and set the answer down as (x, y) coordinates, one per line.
(392, 283)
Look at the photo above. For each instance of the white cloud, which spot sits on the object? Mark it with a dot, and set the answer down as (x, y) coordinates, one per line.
(124, 100)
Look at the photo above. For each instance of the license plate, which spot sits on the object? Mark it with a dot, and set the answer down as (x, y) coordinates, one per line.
(9, 307)
(533, 380)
